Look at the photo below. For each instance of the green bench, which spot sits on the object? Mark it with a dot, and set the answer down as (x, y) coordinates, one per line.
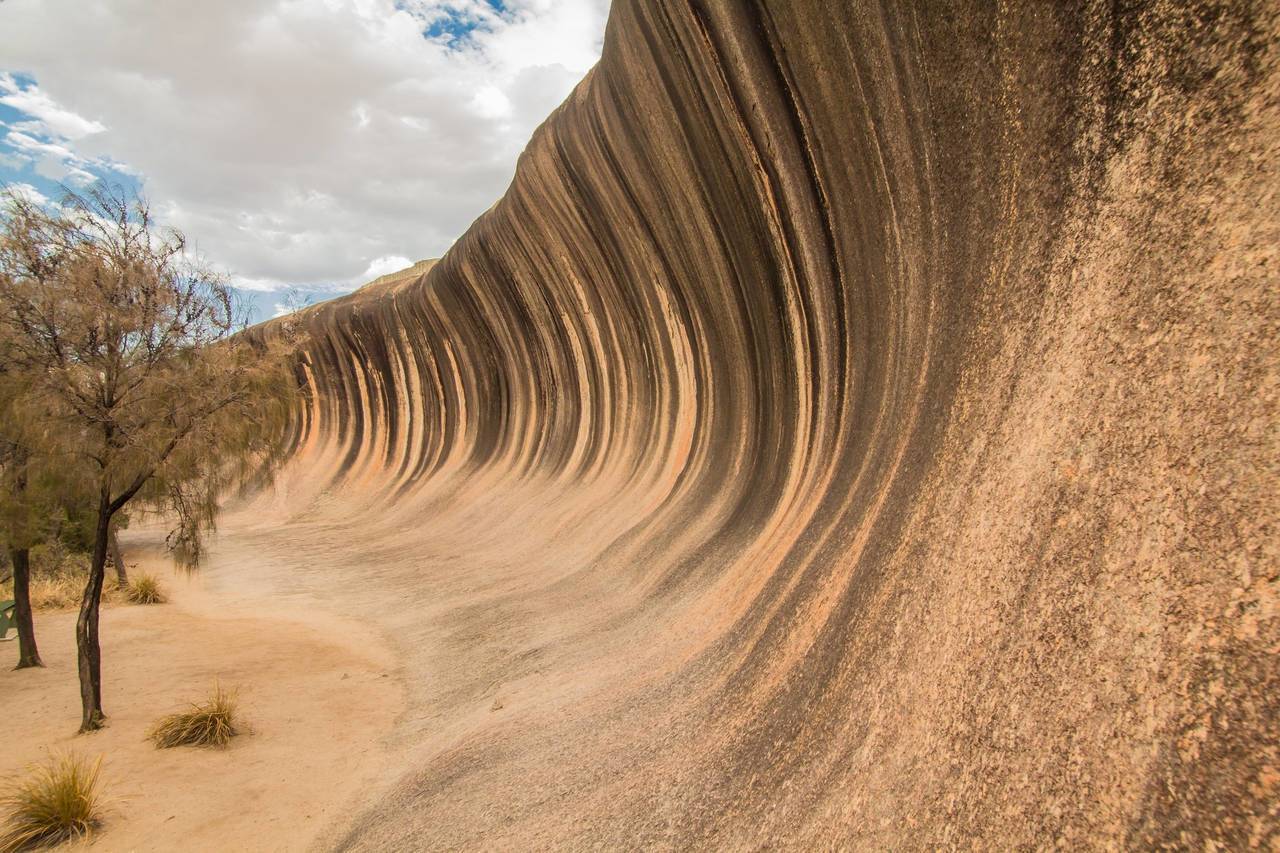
(6, 618)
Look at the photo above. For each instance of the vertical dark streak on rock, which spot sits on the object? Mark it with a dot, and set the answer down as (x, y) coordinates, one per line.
(846, 432)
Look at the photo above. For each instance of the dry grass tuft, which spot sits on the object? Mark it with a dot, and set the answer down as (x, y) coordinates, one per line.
(213, 722)
(58, 581)
(57, 591)
(59, 802)
(145, 589)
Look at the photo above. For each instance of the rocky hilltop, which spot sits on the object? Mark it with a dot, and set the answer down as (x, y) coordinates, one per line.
(855, 427)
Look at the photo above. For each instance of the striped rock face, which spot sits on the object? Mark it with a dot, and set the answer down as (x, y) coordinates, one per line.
(854, 427)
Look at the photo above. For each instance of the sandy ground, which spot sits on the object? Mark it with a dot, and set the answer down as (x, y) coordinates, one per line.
(317, 689)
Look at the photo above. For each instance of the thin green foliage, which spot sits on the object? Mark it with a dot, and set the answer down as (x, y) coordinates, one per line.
(124, 358)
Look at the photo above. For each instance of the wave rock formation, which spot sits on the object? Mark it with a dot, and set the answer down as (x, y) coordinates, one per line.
(853, 428)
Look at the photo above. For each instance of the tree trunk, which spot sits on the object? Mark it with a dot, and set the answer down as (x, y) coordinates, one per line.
(117, 557)
(28, 654)
(88, 652)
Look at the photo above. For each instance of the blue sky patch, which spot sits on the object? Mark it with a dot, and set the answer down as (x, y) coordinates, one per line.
(455, 27)
(30, 153)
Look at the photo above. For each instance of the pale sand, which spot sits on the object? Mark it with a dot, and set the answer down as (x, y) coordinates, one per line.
(287, 785)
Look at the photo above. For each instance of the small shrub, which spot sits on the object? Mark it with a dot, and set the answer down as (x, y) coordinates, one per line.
(57, 576)
(145, 589)
(57, 591)
(53, 590)
(57, 582)
(58, 803)
(213, 722)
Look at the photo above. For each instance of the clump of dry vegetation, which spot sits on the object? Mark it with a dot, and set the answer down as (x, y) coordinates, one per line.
(58, 579)
(213, 722)
(51, 592)
(58, 802)
(145, 589)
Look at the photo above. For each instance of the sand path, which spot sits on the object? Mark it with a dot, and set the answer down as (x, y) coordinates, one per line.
(288, 785)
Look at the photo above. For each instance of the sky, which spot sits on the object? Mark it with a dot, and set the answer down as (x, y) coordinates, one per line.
(304, 146)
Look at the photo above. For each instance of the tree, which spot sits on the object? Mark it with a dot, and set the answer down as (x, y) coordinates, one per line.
(16, 501)
(42, 502)
(117, 557)
(28, 507)
(130, 350)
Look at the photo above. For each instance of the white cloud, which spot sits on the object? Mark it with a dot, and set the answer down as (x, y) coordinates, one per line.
(384, 265)
(46, 113)
(30, 193)
(51, 160)
(491, 102)
(258, 285)
(299, 142)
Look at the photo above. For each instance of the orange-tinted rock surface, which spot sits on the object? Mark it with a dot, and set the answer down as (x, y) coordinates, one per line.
(855, 427)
